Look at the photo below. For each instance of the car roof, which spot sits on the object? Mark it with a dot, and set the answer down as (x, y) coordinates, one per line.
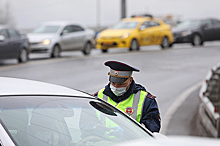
(62, 23)
(141, 19)
(15, 86)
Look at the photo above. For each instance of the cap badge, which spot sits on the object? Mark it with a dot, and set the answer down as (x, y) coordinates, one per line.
(116, 73)
(129, 110)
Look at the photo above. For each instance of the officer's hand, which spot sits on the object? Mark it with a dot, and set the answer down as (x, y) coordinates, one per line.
(118, 132)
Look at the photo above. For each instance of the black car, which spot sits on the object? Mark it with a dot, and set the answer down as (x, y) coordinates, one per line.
(197, 31)
(13, 44)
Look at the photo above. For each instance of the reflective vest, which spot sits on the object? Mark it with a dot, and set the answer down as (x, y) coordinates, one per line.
(133, 105)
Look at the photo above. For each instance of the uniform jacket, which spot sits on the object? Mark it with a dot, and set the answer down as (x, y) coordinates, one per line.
(150, 113)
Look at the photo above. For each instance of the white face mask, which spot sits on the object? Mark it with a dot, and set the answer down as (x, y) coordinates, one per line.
(118, 91)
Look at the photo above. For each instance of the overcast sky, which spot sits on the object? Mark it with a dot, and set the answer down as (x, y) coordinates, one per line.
(30, 13)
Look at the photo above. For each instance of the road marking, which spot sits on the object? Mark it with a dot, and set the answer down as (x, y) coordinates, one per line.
(174, 107)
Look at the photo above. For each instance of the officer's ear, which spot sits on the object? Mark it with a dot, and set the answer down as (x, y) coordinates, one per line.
(131, 80)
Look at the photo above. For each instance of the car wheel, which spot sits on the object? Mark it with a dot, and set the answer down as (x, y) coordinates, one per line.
(165, 43)
(87, 49)
(104, 50)
(171, 45)
(23, 56)
(56, 52)
(197, 40)
(134, 45)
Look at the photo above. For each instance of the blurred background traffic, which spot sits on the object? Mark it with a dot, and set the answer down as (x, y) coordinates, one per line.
(99, 24)
(174, 43)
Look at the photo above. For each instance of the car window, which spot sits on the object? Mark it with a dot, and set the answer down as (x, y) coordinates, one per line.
(50, 121)
(125, 25)
(13, 33)
(150, 24)
(208, 23)
(153, 23)
(77, 28)
(46, 29)
(189, 24)
(216, 22)
(4, 33)
(68, 29)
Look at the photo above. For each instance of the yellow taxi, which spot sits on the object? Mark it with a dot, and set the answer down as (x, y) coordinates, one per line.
(135, 32)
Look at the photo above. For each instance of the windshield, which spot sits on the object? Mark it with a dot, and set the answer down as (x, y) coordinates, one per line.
(125, 25)
(46, 29)
(189, 23)
(46, 121)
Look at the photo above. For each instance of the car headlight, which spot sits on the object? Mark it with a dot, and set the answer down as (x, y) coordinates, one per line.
(125, 35)
(185, 33)
(46, 42)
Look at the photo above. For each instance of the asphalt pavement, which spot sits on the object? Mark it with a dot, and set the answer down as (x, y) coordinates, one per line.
(185, 120)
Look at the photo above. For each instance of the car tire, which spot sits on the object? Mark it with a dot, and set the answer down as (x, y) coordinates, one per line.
(165, 43)
(197, 40)
(134, 45)
(104, 50)
(23, 56)
(171, 45)
(87, 48)
(56, 52)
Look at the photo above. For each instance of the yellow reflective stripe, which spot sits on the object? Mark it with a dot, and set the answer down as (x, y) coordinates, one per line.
(110, 123)
(140, 105)
(126, 103)
(98, 115)
(100, 94)
(111, 102)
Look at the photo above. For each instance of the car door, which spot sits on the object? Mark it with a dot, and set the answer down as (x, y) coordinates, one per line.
(79, 36)
(15, 43)
(150, 33)
(216, 29)
(67, 40)
(208, 30)
(155, 37)
(4, 52)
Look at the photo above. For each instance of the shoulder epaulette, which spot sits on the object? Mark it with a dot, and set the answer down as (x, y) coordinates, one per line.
(150, 96)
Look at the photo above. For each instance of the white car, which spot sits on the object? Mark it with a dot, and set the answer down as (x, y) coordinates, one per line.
(33, 113)
(54, 37)
(174, 141)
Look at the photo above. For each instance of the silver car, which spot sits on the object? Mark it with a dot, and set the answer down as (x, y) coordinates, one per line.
(54, 37)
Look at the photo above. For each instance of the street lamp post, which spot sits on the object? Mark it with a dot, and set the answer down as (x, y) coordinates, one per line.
(123, 8)
(98, 13)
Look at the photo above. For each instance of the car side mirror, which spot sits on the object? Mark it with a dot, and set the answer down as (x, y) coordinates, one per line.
(143, 27)
(2, 38)
(64, 32)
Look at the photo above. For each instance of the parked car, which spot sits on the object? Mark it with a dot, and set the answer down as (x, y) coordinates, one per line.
(13, 44)
(55, 37)
(134, 32)
(197, 31)
(174, 141)
(34, 113)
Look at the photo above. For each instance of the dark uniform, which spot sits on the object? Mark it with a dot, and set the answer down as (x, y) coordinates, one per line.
(148, 113)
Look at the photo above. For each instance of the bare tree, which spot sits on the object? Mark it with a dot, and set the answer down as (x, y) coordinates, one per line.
(6, 17)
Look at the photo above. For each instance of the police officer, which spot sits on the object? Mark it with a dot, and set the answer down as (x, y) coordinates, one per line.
(132, 98)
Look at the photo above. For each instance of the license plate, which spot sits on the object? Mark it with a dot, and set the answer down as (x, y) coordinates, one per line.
(107, 43)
